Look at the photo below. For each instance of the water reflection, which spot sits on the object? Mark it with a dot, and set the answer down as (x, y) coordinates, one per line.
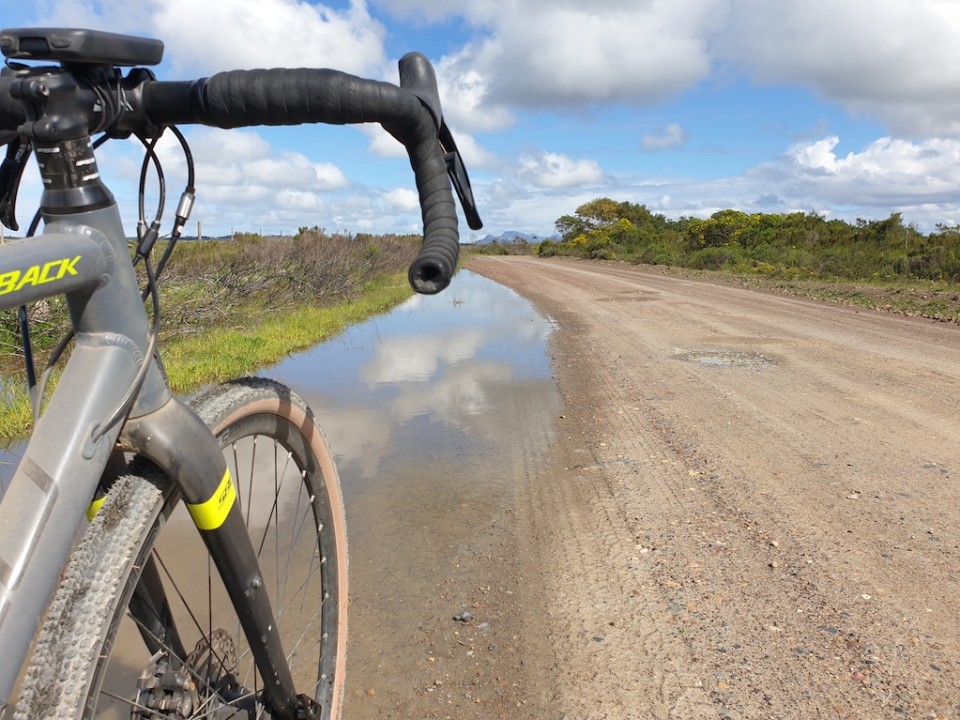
(428, 375)
(439, 413)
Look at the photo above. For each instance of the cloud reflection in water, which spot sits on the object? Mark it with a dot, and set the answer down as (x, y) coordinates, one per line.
(458, 362)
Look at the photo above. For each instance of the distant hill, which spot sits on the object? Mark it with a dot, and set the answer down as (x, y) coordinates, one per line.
(509, 236)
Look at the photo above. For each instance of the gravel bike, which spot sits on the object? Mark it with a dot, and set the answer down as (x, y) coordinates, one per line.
(164, 558)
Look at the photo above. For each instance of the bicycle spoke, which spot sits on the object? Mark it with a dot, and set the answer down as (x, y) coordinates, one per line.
(183, 599)
(273, 509)
(277, 482)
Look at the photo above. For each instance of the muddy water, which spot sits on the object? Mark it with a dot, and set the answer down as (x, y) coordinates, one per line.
(430, 410)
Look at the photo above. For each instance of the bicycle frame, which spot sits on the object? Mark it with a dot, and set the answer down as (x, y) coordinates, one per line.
(85, 257)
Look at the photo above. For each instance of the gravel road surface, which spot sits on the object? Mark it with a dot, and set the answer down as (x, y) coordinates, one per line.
(746, 506)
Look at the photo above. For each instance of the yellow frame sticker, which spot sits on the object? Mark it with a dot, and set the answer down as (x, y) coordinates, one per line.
(16, 280)
(213, 513)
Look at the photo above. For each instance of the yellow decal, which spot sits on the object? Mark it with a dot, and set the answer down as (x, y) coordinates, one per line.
(211, 514)
(95, 507)
(16, 280)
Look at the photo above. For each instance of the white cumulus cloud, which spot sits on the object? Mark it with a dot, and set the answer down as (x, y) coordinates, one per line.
(527, 53)
(213, 35)
(889, 172)
(894, 60)
(553, 170)
(403, 199)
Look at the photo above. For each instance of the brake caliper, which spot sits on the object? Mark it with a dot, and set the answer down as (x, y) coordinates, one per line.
(173, 690)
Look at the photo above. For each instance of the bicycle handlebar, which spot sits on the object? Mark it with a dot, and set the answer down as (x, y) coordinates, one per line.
(410, 112)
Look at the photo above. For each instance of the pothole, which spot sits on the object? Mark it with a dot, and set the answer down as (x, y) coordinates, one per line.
(728, 358)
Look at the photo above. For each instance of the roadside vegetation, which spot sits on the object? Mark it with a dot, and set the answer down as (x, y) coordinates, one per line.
(229, 307)
(879, 263)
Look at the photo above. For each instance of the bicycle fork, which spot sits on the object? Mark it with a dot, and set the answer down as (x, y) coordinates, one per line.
(167, 436)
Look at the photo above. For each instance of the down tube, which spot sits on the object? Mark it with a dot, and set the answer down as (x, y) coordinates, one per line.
(48, 496)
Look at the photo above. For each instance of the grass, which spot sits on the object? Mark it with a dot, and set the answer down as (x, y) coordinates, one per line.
(225, 352)
(245, 343)
(913, 298)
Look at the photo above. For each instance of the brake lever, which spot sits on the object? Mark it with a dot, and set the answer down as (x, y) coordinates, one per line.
(11, 171)
(458, 177)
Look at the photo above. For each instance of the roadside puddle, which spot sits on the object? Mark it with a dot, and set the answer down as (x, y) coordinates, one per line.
(436, 412)
(431, 375)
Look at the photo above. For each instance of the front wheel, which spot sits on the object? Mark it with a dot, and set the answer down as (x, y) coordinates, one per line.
(108, 648)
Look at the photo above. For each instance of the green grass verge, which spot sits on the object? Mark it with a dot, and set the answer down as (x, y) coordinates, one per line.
(224, 352)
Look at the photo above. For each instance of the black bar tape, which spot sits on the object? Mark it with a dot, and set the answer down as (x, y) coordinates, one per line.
(286, 97)
(436, 262)
(291, 97)
(243, 98)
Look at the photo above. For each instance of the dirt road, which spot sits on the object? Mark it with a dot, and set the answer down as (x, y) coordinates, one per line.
(750, 510)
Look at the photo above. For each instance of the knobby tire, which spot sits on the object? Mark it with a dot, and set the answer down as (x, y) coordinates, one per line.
(90, 654)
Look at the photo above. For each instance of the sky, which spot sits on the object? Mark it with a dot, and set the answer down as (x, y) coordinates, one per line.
(844, 108)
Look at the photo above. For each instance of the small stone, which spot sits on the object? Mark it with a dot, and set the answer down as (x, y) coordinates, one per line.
(464, 616)
(371, 692)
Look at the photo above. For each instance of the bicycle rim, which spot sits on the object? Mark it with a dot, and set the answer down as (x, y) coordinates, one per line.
(289, 494)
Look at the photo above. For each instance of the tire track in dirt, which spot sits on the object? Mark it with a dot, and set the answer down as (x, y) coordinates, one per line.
(769, 539)
(609, 622)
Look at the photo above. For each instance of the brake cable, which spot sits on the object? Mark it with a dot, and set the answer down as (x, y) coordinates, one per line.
(147, 236)
(147, 239)
(34, 390)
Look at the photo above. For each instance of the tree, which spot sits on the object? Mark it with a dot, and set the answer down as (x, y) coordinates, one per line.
(589, 217)
(599, 212)
(569, 226)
